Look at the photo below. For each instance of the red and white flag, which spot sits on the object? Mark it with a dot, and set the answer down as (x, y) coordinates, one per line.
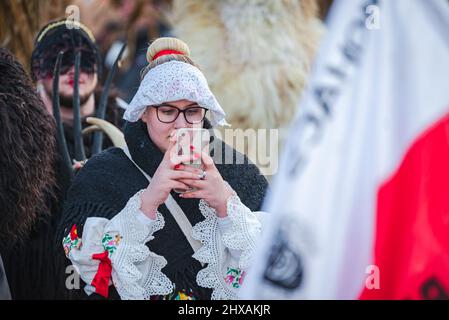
(360, 207)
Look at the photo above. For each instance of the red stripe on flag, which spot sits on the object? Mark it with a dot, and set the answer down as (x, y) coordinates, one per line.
(412, 228)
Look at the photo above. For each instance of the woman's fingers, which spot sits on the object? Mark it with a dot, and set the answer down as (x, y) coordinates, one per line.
(184, 175)
(195, 183)
(197, 194)
(171, 150)
(188, 168)
(179, 185)
(173, 138)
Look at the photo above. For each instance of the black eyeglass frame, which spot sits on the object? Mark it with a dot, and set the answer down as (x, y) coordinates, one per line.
(195, 106)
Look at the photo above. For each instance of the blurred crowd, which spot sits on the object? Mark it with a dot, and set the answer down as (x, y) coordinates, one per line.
(113, 22)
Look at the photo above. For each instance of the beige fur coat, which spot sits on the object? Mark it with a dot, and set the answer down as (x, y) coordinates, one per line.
(256, 55)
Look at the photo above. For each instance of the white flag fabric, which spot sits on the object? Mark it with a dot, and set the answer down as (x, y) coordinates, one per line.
(360, 207)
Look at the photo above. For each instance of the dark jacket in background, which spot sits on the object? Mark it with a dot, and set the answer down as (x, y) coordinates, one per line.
(31, 265)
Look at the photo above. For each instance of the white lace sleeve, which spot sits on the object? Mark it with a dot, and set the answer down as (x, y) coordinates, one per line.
(228, 245)
(119, 244)
(242, 233)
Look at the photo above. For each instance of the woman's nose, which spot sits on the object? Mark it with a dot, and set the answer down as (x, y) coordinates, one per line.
(181, 122)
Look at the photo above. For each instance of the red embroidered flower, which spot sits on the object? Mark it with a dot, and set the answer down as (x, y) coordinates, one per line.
(73, 233)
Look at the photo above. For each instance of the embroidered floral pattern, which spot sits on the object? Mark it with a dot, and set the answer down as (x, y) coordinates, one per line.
(183, 295)
(234, 277)
(71, 241)
(177, 295)
(110, 244)
(245, 229)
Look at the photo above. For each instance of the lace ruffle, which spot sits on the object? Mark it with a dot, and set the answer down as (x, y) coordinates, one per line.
(206, 231)
(245, 226)
(136, 270)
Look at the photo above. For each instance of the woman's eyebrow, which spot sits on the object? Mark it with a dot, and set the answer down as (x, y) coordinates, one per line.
(169, 105)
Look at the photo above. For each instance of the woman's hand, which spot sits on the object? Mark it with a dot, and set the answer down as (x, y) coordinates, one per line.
(165, 179)
(211, 189)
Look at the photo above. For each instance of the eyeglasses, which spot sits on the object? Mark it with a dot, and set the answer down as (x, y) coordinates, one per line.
(168, 114)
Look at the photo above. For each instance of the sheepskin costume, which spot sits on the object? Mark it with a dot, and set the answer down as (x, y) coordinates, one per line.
(256, 55)
(31, 185)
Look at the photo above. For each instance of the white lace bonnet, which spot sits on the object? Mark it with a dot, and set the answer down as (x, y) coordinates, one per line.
(172, 81)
